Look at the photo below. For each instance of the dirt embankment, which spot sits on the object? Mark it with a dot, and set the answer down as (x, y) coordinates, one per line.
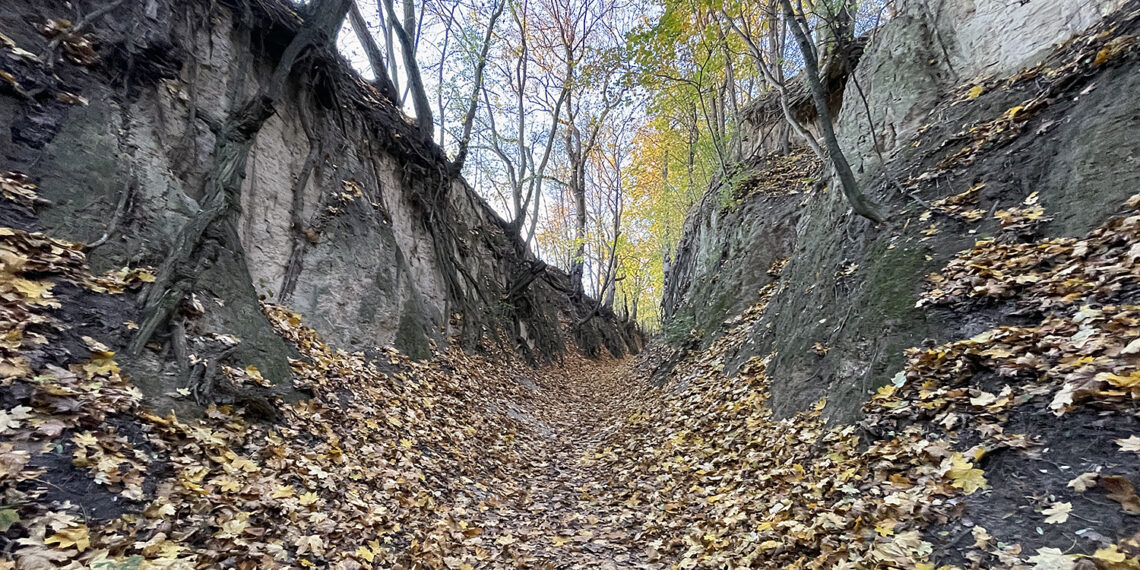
(345, 215)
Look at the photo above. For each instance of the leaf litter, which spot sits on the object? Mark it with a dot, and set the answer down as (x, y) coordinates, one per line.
(477, 461)
(458, 463)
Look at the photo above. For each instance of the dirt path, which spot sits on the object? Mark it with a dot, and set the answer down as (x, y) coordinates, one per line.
(553, 514)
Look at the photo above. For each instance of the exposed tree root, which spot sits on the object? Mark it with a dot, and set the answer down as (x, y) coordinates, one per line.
(235, 138)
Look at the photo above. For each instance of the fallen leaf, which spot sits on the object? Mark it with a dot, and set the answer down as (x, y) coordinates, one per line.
(1083, 482)
(1130, 444)
(1121, 490)
(1057, 513)
(1052, 559)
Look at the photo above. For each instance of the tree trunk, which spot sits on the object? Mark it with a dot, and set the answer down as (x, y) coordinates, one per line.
(480, 65)
(859, 203)
(382, 82)
(415, 82)
(836, 32)
(390, 49)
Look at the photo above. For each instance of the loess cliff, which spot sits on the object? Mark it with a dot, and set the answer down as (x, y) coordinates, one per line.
(366, 368)
(345, 216)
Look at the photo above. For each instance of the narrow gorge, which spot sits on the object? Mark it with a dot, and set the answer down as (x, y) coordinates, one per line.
(255, 314)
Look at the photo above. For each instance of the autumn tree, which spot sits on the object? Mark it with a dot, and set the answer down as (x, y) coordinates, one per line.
(521, 118)
(583, 42)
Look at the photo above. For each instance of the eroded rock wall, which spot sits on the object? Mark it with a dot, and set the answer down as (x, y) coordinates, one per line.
(929, 47)
(346, 217)
(845, 308)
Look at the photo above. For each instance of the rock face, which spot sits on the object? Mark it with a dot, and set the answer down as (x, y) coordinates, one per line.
(845, 308)
(928, 47)
(345, 216)
(725, 256)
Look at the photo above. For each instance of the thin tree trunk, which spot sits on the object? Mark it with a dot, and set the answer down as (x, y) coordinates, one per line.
(481, 64)
(382, 82)
(859, 203)
(390, 48)
(411, 67)
(439, 79)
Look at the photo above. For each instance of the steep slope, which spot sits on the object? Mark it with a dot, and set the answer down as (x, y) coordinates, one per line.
(345, 216)
(1057, 130)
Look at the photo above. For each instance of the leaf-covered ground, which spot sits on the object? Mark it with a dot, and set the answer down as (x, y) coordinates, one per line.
(1016, 448)
(479, 462)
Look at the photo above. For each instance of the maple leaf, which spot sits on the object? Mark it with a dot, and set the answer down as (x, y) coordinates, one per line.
(283, 492)
(1082, 482)
(11, 419)
(982, 538)
(1057, 513)
(311, 543)
(963, 475)
(1130, 444)
(1052, 559)
(77, 536)
(369, 551)
(1121, 490)
(1130, 381)
(1110, 554)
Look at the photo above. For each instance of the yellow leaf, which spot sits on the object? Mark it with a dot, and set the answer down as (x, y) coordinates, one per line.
(1130, 381)
(1102, 56)
(1082, 482)
(76, 536)
(35, 292)
(283, 492)
(227, 484)
(85, 439)
(309, 498)
(976, 91)
(1110, 554)
(964, 476)
(365, 553)
(1057, 513)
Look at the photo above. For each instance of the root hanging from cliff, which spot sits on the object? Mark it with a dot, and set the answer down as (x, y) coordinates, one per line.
(235, 138)
(297, 209)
